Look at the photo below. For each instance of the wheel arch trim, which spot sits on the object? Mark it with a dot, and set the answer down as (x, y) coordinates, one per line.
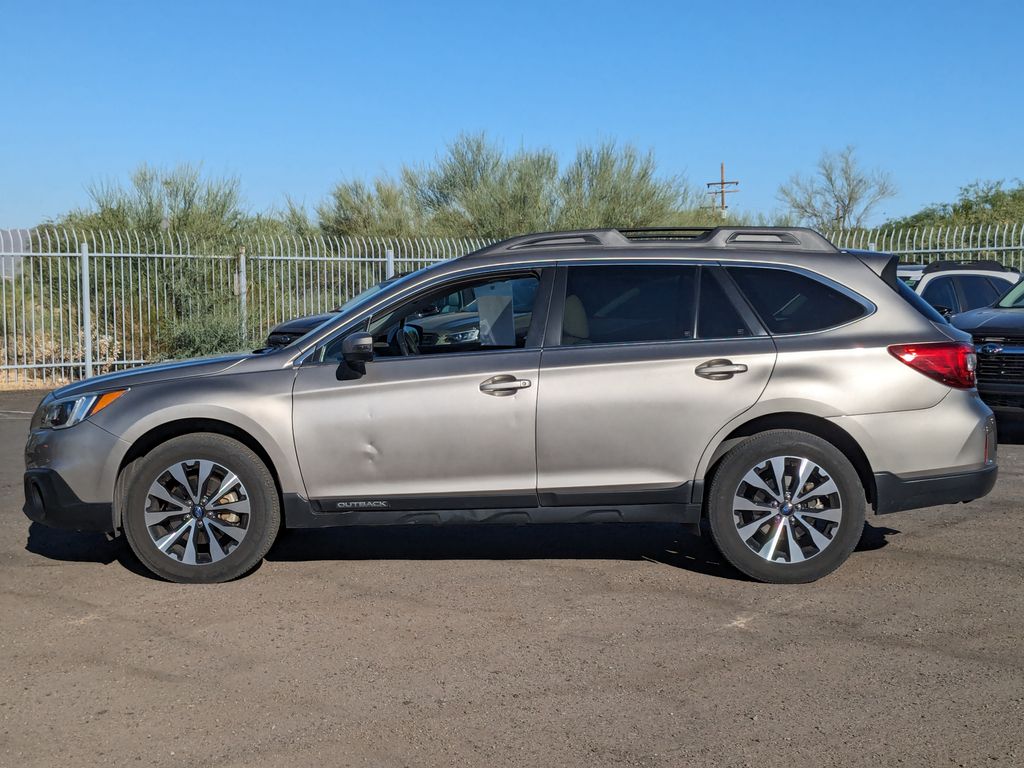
(155, 436)
(820, 424)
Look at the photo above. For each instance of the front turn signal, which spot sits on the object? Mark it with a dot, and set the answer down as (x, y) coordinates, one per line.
(106, 399)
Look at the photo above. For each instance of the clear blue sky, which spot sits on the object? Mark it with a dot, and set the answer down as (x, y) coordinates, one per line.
(294, 96)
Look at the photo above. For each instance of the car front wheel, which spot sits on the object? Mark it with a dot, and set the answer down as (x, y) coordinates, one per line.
(200, 508)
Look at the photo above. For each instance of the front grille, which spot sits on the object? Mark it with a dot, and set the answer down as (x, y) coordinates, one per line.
(1000, 366)
(1006, 365)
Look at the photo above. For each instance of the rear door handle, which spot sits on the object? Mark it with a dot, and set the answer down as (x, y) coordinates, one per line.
(503, 385)
(720, 368)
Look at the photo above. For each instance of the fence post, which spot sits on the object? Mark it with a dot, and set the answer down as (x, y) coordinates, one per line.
(389, 260)
(86, 308)
(243, 294)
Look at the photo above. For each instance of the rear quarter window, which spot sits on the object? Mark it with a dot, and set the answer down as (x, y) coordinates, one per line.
(792, 302)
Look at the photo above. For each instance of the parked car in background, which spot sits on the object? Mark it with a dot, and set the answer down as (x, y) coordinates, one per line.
(958, 286)
(285, 333)
(998, 333)
(757, 379)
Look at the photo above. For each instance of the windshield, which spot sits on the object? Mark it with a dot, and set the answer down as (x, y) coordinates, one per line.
(1014, 298)
(360, 299)
(371, 291)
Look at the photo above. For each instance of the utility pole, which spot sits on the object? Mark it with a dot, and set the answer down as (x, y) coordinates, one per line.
(720, 189)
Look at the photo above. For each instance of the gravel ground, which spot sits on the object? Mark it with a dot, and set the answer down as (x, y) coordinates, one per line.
(544, 646)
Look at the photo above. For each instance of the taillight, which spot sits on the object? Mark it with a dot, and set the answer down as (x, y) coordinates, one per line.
(951, 362)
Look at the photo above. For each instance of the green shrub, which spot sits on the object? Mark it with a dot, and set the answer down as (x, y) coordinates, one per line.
(200, 335)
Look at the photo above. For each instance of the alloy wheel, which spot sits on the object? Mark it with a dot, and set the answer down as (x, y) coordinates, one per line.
(197, 512)
(787, 509)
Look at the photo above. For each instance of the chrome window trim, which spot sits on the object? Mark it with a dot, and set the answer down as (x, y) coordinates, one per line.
(659, 343)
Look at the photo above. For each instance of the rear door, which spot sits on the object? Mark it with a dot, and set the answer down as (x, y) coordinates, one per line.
(642, 365)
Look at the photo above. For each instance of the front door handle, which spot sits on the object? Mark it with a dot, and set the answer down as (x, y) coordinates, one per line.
(503, 385)
(719, 369)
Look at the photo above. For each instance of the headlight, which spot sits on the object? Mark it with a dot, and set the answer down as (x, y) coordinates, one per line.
(65, 413)
(459, 337)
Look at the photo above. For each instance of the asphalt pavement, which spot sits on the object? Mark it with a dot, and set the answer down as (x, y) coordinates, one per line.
(517, 646)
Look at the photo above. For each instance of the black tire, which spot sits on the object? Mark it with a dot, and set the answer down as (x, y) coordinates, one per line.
(262, 521)
(850, 507)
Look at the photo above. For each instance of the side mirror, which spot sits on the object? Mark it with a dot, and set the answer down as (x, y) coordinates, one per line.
(356, 352)
(357, 348)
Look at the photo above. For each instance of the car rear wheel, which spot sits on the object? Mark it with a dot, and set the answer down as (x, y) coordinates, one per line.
(786, 507)
(200, 508)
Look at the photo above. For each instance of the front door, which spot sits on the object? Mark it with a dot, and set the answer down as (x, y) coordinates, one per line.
(444, 417)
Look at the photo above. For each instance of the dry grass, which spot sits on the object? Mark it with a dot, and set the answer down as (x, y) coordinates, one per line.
(45, 350)
(15, 383)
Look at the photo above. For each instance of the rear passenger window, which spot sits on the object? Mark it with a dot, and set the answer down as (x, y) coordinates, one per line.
(790, 302)
(1001, 286)
(977, 291)
(617, 304)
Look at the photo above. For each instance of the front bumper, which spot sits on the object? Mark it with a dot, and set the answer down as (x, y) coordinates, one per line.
(49, 500)
(895, 494)
(1001, 394)
(70, 475)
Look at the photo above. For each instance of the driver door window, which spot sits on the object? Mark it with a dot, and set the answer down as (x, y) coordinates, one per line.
(475, 317)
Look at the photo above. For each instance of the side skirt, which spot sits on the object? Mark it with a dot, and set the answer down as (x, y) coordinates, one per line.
(300, 513)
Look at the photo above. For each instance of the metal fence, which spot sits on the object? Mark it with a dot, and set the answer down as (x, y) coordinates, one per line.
(76, 303)
(1002, 242)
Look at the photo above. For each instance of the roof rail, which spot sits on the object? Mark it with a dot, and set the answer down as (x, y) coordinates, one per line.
(599, 237)
(987, 265)
(790, 238)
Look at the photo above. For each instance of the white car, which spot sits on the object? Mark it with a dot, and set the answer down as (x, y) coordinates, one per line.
(958, 286)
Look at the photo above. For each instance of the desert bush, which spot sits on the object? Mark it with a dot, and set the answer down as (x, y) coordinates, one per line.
(208, 333)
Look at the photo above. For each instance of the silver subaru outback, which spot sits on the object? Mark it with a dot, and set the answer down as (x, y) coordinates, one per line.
(757, 380)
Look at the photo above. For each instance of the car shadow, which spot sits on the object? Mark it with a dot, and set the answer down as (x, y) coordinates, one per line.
(76, 547)
(666, 544)
(874, 537)
(661, 543)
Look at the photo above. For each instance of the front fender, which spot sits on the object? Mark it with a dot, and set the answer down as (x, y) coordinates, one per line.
(258, 403)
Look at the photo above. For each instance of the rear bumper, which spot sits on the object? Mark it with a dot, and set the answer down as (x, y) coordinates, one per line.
(895, 493)
(50, 501)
